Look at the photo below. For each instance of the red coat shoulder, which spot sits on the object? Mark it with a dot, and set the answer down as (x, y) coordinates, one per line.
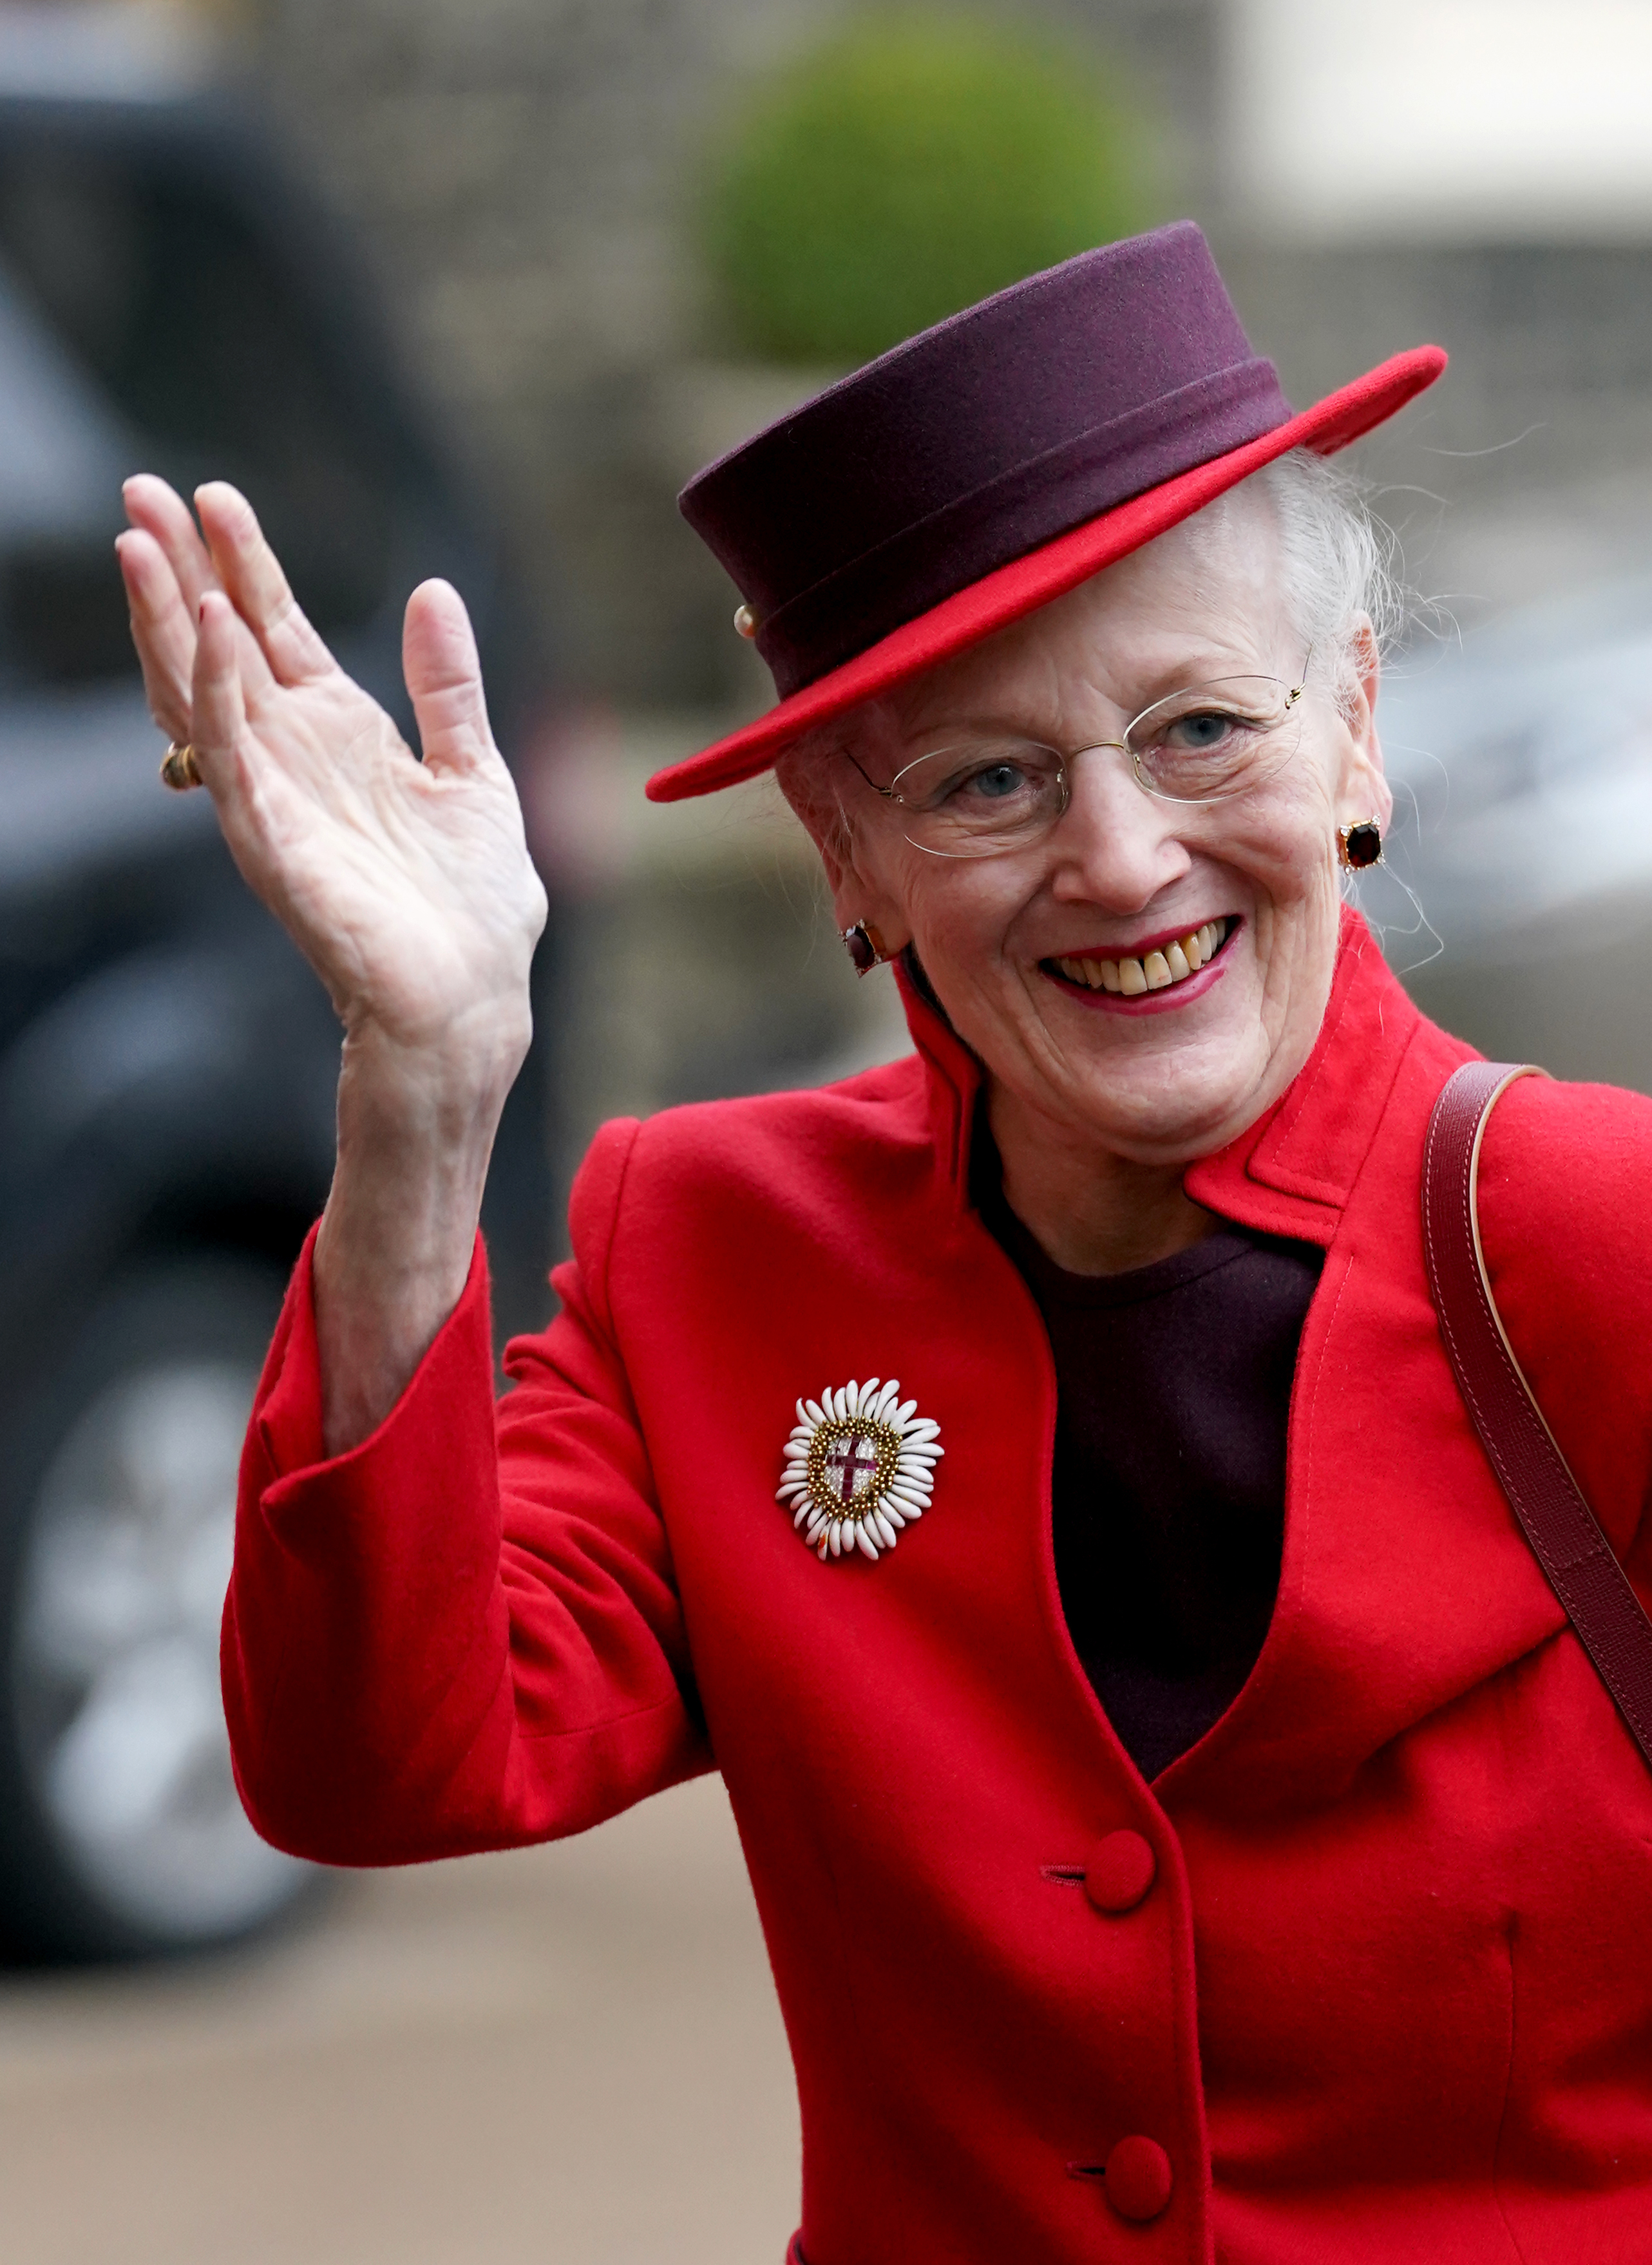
(1565, 1222)
(796, 1145)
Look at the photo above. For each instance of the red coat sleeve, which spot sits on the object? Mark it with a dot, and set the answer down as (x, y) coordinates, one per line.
(465, 1633)
(1565, 1205)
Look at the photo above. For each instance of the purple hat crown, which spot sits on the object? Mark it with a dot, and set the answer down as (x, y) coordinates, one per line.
(979, 440)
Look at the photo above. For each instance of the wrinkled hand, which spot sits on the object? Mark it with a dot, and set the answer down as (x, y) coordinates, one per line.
(406, 884)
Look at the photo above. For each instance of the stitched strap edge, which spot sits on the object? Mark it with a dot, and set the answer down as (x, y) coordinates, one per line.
(1563, 1533)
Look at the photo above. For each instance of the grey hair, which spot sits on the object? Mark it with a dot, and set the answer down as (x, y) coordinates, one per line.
(1340, 566)
(1340, 563)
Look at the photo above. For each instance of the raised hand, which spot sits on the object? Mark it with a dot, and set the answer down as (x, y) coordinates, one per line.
(406, 884)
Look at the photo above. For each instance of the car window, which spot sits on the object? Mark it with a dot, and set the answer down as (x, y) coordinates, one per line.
(212, 357)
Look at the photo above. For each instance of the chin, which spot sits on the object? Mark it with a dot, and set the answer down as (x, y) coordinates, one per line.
(1158, 1102)
(1152, 1130)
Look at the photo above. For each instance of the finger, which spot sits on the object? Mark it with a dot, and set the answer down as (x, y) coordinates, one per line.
(251, 573)
(163, 630)
(158, 510)
(444, 677)
(218, 697)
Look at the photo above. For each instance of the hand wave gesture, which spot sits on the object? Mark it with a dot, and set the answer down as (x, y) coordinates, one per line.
(407, 885)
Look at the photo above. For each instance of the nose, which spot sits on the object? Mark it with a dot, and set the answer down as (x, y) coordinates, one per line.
(1115, 845)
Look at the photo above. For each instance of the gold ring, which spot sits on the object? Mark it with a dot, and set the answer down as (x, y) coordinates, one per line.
(179, 767)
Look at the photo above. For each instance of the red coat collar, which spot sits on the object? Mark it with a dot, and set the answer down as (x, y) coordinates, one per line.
(1290, 1172)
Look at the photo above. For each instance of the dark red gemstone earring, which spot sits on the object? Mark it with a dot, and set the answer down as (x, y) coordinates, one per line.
(864, 947)
(1359, 845)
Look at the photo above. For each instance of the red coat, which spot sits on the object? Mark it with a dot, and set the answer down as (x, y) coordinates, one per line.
(1389, 1996)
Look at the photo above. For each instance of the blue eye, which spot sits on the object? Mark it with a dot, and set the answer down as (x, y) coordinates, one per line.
(1000, 780)
(1199, 733)
(988, 785)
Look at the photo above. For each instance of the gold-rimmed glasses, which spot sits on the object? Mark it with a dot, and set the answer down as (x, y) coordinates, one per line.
(980, 796)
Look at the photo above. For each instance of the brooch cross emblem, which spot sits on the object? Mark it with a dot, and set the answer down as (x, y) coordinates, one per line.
(859, 1465)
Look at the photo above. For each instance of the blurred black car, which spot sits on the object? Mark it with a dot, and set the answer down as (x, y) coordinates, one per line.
(169, 300)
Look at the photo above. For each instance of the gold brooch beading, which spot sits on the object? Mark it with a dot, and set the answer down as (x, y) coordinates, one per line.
(859, 1465)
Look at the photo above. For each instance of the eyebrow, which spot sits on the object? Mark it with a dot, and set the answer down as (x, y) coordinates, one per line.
(1155, 685)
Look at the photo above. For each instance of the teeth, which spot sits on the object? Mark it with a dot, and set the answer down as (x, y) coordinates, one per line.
(1154, 971)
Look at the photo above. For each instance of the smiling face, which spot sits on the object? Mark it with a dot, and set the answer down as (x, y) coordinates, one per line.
(1014, 941)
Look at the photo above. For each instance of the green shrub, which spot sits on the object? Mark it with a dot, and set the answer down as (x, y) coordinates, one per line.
(916, 163)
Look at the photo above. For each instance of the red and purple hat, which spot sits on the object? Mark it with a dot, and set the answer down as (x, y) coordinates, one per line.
(990, 464)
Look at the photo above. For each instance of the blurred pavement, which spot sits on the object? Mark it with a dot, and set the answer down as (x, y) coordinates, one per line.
(569, 2055)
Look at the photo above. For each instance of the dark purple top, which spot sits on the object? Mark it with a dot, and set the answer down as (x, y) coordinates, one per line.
(1167, 1498)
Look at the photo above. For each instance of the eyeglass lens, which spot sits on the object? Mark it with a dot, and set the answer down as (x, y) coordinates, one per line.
(1202, 744)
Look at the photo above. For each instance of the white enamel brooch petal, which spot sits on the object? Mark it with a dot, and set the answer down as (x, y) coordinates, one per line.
(859, 1465)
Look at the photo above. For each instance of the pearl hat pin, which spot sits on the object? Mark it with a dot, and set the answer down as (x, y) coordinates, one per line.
(860, 1464)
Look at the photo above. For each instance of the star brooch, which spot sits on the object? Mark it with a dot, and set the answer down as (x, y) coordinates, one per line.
(860, 1463)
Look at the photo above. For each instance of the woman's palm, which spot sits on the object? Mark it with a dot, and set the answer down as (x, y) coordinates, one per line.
(407, 885)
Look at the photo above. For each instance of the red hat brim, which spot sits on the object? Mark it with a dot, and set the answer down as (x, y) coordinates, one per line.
(1029, 582)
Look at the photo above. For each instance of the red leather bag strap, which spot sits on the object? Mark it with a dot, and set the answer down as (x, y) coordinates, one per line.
(1559, 1523)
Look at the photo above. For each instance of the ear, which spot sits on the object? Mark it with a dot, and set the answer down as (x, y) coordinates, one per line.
(1362, 791)
(856, 897)
(860, 890)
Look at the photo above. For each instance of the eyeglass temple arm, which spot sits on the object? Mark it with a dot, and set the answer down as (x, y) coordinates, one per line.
(888, 792)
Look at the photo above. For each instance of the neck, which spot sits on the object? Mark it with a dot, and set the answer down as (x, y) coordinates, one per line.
(1090, 1211)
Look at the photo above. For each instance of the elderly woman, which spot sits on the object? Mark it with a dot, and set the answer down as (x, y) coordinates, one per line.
(1184, 1821)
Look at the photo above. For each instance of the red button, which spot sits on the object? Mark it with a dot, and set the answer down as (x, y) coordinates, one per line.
(1139, 2180)
(1121, 1869)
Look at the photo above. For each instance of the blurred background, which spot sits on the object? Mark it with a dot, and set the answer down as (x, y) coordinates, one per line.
(472, 287)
